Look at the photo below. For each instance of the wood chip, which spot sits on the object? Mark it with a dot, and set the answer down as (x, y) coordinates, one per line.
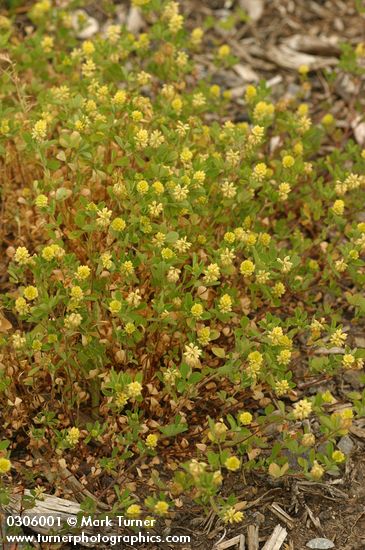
(134, 21)
(358, 127)
(253, 537)
(246, 73)
(54, 507)
(329, 351)
(313, 44)
(288, 58)
(277, 538)
(238, 541)
(89, 26)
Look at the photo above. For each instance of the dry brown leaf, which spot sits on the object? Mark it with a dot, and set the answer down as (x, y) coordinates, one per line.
(253, 453)
(240, 505)
(5, 325)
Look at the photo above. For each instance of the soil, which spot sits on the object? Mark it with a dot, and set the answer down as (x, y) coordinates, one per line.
(334, 510)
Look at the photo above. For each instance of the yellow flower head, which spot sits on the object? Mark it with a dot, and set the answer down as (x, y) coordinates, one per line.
(338, 457)
(316, 471)
(88, 47)
(232, 516)
(250, 93)
(73, 436)
(224, 51)
(245, 418)
(161, 507)
(118, 224)
(115, 306)
(263, 110)
(225, 303)
(348, 361)
(308, 440)
(39, 131)
(281, 387)
(21, 306)
(151, 441)
(30, 292)
(134, 389)
(247, 268)
(215, 90)
(76, 292)
(260, 171)
(204, 336)
(303, 70)
(288, 161)
(142, 187)
(177, 104)
(5, 465)
(41, 201)
(134, 510)
(232, 463)
(328, 119)
(197, 311)
(158, 187)
(197, 36)
(302, 409)
(130, 328)
(83, 272)
(338, 207)
(119, 98)
(48, 253)
(73, 321)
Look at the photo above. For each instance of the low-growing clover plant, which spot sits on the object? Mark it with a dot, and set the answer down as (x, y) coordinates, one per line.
(175, 275)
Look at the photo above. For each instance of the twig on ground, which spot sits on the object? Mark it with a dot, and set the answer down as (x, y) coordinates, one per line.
(281, 514)
(316, 521)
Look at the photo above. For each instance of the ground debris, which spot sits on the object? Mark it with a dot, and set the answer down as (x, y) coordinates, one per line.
(277, 538)
(320, 544)
(238, 542)
(253, 537)
(281, 514)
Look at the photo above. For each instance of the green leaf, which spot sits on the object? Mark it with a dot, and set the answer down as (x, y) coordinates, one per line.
(219, 352)
(357, 300)
(195, 378)
(173, 429)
